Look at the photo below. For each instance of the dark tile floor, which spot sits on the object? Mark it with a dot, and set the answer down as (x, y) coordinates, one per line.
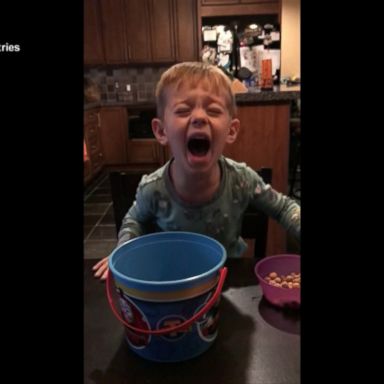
(99, 224)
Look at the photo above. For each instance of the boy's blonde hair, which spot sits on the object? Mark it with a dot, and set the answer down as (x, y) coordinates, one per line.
(212, 78)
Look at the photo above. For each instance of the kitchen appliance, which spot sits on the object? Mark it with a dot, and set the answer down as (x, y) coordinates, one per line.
(140, 123)
(233, 43)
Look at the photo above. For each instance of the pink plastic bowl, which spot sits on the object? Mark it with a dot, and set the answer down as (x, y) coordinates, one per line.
(282, 265)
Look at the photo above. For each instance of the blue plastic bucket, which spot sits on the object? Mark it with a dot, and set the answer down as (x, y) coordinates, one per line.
(168, 286)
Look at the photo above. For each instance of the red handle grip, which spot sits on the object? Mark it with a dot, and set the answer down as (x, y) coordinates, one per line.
(185, 325)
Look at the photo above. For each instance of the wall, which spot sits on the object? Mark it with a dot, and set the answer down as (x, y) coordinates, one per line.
(142, 82)
(290, 38)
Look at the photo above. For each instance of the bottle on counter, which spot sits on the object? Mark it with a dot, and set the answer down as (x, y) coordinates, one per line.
(266, 80)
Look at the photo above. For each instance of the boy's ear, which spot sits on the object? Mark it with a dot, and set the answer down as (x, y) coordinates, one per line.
(159, 131)
(233, 131)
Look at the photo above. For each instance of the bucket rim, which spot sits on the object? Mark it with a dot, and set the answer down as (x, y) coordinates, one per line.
(168, 282)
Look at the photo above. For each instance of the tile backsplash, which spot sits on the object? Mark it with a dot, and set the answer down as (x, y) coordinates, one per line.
(126, 84)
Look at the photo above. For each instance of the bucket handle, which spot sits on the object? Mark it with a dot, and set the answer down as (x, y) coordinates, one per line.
(185, 325)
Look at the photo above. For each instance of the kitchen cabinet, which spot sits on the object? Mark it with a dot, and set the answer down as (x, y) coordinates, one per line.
(143, 148)
(238, 7)
(113, 30)
(95, 155)
(137, 33)
(87, 171)
(186, 35)
(121, 150)
(145, 151)
(114, 134)
(162, 30)
(263, 141)
(258, 1)
(93, 42)
(204, 2)
(220, 2)
(126, 31)
(149, 31)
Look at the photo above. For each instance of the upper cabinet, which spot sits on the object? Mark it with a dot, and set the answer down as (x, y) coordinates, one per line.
(216, 2)
(221, 2)
(137, 32)
(126, 31)
(148, 31)
(93, 42)
(162, 30)
(113, 29)
(204, 2)
(186, 40)
(238, 7)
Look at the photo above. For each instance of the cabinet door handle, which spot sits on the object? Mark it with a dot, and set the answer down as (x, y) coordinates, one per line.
(98, 120)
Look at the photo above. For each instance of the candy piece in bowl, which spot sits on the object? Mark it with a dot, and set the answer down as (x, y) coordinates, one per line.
(280, 279)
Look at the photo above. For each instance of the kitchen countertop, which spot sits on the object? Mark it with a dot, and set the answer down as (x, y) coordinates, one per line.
(280, 93)
(98, 104)
(257, 343)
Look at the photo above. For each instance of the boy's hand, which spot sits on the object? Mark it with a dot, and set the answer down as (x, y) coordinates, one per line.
(101, 269)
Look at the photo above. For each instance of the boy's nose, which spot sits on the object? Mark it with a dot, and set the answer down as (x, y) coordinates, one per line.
(198, 122)
(199, 119)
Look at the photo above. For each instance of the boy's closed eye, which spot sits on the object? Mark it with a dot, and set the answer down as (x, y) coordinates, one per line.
(185, 111)
(182, 111)
(214, 111)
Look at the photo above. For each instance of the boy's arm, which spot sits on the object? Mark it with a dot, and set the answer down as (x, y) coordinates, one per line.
(133, 224)
(283, 209)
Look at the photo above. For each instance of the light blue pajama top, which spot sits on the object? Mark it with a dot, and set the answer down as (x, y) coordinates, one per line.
(156, 202)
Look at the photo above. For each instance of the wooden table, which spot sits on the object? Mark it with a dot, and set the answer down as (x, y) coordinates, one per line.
(257, 343)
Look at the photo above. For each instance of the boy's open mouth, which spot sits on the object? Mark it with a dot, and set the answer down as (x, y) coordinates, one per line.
(198, 146)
